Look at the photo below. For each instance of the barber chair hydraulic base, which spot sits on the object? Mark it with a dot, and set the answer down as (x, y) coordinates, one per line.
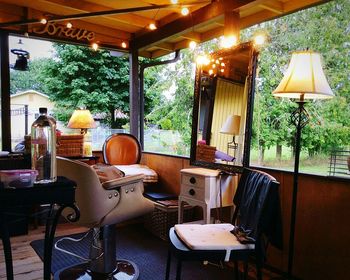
(102, 264)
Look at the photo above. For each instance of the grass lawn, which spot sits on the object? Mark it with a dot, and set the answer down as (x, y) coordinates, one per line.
(318, 164)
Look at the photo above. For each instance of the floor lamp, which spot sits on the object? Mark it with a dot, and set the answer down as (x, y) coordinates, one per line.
(304, 79)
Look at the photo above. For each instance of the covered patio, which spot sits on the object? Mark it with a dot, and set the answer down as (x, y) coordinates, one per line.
(321, 239)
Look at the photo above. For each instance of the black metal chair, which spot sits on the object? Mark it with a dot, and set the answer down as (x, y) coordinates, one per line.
(256, 223)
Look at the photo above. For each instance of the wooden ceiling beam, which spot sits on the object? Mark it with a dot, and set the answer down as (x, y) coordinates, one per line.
(194, 36)
(158, 53)
(96, 14)
(273, 6)
(166, 46)
(205, 14)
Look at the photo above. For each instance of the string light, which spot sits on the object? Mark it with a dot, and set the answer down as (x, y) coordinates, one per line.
(259, 39)
(124, 45)
(69, 25)
(185, 11)
(94, 46)
(43, 21)
(152, 26)
(228, 42)
(192, 45)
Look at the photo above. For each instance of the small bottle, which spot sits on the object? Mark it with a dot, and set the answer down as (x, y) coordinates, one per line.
(43, 147)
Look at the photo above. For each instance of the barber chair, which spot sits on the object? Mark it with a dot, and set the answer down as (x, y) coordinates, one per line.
(256, 223)
(102, 206)
(124, 152)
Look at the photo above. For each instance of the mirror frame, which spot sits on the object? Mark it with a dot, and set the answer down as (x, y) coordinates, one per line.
(249, 115)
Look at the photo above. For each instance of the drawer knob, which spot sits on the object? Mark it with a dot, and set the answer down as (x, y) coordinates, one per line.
(192, 192)
(192, 180)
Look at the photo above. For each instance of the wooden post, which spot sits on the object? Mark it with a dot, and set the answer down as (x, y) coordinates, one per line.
(134, 93)
(231, 24)
(5, 92)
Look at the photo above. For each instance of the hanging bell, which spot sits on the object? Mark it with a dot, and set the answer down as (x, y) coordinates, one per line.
(21, 63)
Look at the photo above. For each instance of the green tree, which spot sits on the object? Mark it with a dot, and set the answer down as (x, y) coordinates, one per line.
(93, 79)
(324, 29)
(31, 79)
(175, 113)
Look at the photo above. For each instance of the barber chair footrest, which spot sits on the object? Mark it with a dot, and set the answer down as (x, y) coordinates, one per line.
(125, 270)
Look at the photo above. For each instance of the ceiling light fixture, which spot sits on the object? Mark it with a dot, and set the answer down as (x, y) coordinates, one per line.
(174, 2)
(69, 25)
(124, 45)
(43, 21)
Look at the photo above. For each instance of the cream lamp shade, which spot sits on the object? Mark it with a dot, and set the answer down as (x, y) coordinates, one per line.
(231, 125)
(304, 78)
(82, 119)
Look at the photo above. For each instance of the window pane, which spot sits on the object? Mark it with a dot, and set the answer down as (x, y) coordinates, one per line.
(325, 140)
(168, 119)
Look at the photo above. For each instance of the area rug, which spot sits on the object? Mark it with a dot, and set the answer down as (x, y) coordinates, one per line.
(149, 252)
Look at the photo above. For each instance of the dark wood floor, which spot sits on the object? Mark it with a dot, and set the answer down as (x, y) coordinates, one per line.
(28, 266)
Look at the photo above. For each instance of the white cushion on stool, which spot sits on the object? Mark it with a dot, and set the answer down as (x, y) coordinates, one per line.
(210, 237)
(150, 176)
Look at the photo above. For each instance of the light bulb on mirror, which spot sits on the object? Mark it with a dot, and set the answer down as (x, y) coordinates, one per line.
(203, 60)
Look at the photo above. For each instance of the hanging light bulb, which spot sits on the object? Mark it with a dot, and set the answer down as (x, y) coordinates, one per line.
(152, 26)
(185, 11)
(210, 71)
(228, 42)
(124, 45)
(43, 21)
(259, 39)
(94, 46)
(69, 25)
(192, 45)
(174, 2)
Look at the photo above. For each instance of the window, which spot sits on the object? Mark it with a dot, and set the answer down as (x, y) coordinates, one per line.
(63, 77)
(168, 121)
(328, 131)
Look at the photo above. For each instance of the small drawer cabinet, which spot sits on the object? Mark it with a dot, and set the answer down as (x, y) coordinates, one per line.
(201, 187)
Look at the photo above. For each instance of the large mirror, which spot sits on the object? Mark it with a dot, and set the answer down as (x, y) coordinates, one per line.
(222, 112)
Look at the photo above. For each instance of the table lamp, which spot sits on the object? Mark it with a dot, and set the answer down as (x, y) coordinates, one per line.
(231, 127)
(82, 119)
(304, 79)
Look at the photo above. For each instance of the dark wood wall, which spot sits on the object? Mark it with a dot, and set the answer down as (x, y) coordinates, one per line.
(322, 238)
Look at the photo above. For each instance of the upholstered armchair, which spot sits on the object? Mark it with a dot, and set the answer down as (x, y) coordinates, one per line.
(124, 152)
(102, 206)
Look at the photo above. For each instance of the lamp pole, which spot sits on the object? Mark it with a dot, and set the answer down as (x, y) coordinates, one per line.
(299, 118)
(304, 79)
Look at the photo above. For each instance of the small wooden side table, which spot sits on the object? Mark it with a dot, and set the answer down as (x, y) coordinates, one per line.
(201, 187)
